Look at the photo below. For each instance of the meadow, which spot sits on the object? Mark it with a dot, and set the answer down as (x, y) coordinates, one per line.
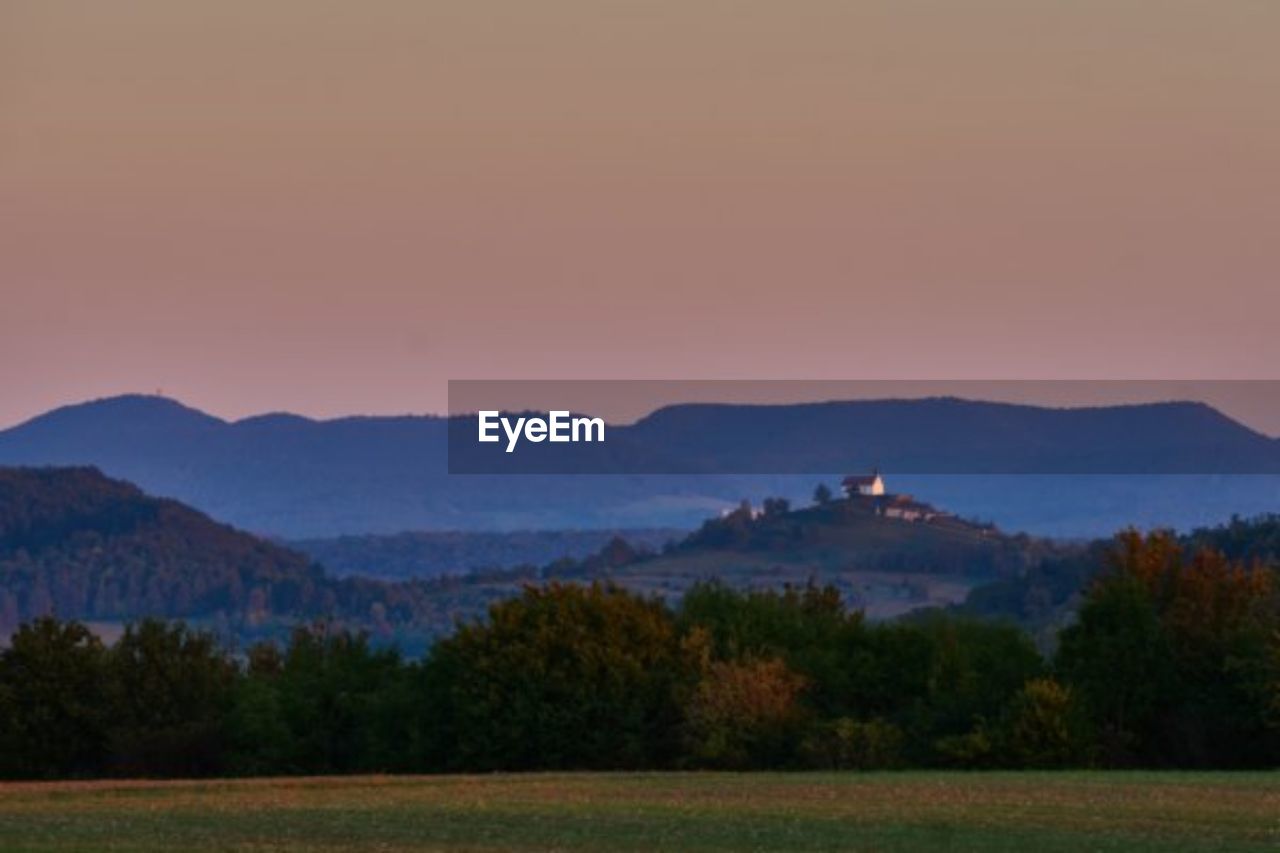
(902, 811)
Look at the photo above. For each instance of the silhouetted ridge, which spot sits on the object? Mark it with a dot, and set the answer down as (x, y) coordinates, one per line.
(301, 478)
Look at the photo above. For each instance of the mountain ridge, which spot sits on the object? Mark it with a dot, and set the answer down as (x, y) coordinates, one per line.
(80, 545)
(296, 477)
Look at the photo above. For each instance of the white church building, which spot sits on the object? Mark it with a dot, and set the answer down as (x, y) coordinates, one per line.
(864, 485)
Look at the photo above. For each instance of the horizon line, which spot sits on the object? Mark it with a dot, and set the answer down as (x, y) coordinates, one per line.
(817, 401)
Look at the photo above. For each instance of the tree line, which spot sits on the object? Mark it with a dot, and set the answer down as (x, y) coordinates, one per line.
(1172, 661)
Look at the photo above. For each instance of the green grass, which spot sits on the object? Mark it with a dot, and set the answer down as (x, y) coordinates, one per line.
(888, 811)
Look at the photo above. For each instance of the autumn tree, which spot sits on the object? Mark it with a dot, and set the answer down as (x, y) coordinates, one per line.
(562, 677)
(744, 714)
(1174, 653)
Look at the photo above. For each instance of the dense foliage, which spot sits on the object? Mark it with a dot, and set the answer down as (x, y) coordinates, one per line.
(428, 554)
(81, 545)
(1173, 661)
(1049, 591)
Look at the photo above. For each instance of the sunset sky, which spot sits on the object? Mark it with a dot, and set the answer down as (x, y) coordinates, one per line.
(334, 207)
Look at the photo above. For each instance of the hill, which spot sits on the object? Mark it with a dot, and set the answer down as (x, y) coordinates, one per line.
(883, 565)
(428, 554)
(941, 435)
(78, 544)
(293, 477)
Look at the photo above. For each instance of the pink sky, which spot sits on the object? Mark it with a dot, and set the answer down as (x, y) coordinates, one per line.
(333, 207)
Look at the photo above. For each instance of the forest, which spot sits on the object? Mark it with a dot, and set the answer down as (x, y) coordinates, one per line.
(1173, 660)
(77, 544)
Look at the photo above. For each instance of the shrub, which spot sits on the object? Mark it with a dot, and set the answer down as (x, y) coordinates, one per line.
(848, 744)
(1044, 728)
(973, 750)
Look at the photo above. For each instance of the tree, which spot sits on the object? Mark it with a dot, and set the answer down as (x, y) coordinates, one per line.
(807, 627)
(963, 674)
(1118, 658)
(53, 708)
(822, 494)
(1044, 727)
(1174, 654)
(169, 690)
(562, 677)
(776, 507)
(330, 704)
(259, 739)
(744, 714)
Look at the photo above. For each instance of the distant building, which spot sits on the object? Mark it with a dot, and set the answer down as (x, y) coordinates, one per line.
(906, 508)
(864, 485)
(867, 491)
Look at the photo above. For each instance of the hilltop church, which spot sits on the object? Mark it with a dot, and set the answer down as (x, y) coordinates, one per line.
(869, 490)
(864, 485)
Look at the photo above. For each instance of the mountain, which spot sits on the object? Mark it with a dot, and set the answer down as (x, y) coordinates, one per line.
(80, 545)
(943, 435)
(294, 477)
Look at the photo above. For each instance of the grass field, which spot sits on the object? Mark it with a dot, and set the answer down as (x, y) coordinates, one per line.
(890, 811)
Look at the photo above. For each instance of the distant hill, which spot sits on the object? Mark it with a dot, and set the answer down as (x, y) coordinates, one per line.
(942, 435)
(431, 554)
(80, 545)
(293, 477)
(883, 565)
(77, 544)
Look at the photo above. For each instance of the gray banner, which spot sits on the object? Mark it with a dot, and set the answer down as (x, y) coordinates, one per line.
(907, 427)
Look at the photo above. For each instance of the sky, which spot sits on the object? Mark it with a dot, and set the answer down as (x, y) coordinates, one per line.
(333, 207)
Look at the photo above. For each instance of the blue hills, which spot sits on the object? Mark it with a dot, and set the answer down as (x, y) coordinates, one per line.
(290, 476)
